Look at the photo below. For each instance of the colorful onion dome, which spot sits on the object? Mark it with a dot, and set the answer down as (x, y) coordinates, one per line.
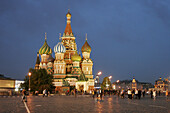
(59, 48)
(76, 57)
(45, 49)
(86, 47)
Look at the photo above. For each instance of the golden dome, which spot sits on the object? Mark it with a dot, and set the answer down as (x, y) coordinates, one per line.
(76, 57)
(68, 14)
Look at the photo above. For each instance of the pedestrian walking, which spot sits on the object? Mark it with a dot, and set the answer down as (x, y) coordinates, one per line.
(24, 97)
(129, 94)
(101, 94)
(154, 94)
(122, 93)
(118, 93)
(75, 91)
(166, 94)
(93, 93)
(139, 94)
(151, 94)
(46, 93)
(136, 93)
(43, 92)
(133, 93)
(159, 93)
(143, 93)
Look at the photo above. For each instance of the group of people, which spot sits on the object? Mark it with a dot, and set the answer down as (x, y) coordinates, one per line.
(98, 94)
(135, 94)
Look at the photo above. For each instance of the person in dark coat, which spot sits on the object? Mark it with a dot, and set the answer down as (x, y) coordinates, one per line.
(151, 94)
(101, 94)
(139, 94)
(143, 93)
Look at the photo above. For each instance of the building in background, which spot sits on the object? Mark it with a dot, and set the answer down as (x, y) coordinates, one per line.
(67, 65)
(134, 84)
(161, 84)
(7, 85)
(131, 84)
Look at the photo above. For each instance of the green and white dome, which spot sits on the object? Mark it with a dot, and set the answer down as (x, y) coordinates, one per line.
(45, 49)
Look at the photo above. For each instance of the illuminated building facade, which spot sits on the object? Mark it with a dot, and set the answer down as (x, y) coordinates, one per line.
(134, 84)
(161, 85)
(68, 65)
(7, 85)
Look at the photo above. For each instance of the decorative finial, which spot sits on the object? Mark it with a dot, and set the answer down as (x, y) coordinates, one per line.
(59, 36)
(68, 10)
(86, 36)
(45, 36)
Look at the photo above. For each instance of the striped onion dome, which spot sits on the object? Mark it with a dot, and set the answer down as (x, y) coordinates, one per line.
(45, 49)
(76, 57)
(86, 47)
(59, 48)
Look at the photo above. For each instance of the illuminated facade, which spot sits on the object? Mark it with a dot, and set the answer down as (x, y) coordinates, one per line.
(134, 84)
(161, 85)
(67, 65)
(7, 85)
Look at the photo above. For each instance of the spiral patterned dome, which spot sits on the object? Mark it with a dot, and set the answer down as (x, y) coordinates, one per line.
(76, 57)
(45, 49)
(86, 47)
(59, 48)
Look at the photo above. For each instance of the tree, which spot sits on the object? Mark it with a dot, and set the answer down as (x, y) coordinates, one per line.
(39, 80)
(106, 84)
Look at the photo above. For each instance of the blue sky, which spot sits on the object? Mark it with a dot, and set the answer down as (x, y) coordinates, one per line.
(128, 37)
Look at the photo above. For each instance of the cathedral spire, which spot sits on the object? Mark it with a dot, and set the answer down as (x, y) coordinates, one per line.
(68, 30)
(37, 61)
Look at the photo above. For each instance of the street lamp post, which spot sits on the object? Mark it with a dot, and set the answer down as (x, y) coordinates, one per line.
(29, 74)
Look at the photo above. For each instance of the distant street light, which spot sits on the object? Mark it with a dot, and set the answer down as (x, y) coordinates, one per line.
(99, 73)
(97, 77)
(110, 77)
(29, 74)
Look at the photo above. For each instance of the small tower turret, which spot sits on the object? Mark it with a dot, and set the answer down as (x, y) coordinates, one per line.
(87, 63)
(37, 62)
(45, 52)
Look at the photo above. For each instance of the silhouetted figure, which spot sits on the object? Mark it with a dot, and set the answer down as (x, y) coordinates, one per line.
(154, 94)
(159, 93)
(136, 93)
(122, 93)
(151, 94)
(129, 94)
(24, 97)
(133, 93)
(118, 93)
(143, 93)
(139, 94)
(93, 93)
(101, 94)
(75, 91)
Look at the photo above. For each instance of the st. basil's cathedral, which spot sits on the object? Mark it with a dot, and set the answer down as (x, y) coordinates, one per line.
(68, 66)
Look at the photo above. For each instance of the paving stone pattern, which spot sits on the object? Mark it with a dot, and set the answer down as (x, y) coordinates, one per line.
(84, 104)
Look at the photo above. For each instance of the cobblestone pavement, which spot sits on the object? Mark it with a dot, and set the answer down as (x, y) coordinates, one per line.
(84, 104)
